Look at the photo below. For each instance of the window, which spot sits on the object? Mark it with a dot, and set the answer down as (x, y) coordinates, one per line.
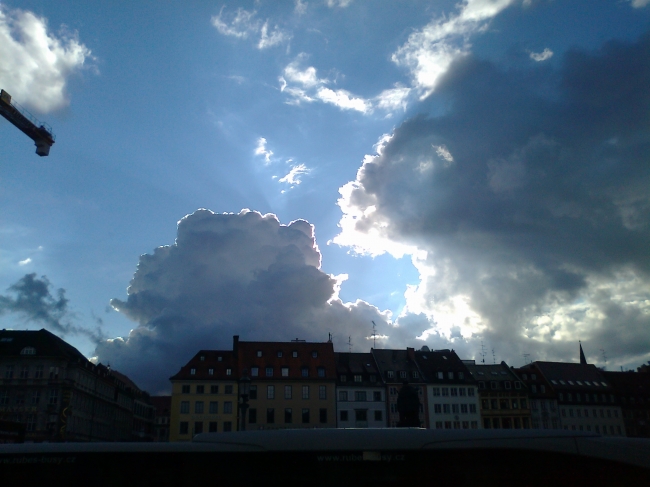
(54, 372)
(446, 408)
(227, 407)
(517, 385)
(533, 376)
(279, 354)
(343, 415)
(252, 392)
(287, 392)
(39, 372)
(198, 427)
(440, 375)
(259, 353)
(450, 375)
(435, 391)
(210, 371)
(494, 384)
(314, 354)
(198, 407)
(322, 415)
(305, 392)
(269, 371)
(470, 392)
(360, 395)
(343, 395)
(523, 404)
(454, 408)
(462, 391)
(515, 404)
(378, 415)
(472, 408)
(54, 397)
(185, 389)
(285, 371)
(415, 375)
(494, 404)
(361, 415)
(461, 375)
(270, 416)
(255, 371)
(227, 389)
(393, 391)
(36, 397)
(184, 428)
(270, 392)
(542, 388)
(438, 425)
(185, 407)
(228, 371)
(304, 371)
(28, 351)
(214, 407)
(200, 389)
(322, 392)
(192, 371)
(288, 415)
(445, 391)
(463, 408)
(252, 416)
(305, 416)
(376, 396)
(219, 359)
(202, 358)
(454, 391)
(402, 374)
(227, 426)
(373, 378)
(24, 372)
(437, 408)
(294, 354)
(212, 427)
(506, 384)
(390, 374)
(481, 384)
(321, 371)
(533, 388)
(214, 389)
(357, 378)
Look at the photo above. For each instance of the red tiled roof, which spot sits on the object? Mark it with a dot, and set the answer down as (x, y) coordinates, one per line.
(219, 361)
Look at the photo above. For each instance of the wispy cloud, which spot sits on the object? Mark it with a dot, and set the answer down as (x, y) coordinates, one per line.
(261, 150)
(338, 3)
(294, 176)
(244, 24)
(640, 3)
(28, 260)
(541, 56)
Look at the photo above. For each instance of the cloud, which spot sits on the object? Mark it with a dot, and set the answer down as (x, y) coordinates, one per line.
(429, 52)
(244, 24)
(28, 260)
(36, 64)
(261, 150)
(301, 8)
(228, 274)
(344, 3)
(541, 56)
(32, 299)
(524, 206)
(343, 99)
(640, 3)
(294, 176)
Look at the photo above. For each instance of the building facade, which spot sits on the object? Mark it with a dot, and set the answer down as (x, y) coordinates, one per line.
(293, 384)
(451, 391)
(59, 395)
(162, 417)
(396, 368)
(632, 393)
(204, 396)
(504, 399)
(360, 392)
(544, 408)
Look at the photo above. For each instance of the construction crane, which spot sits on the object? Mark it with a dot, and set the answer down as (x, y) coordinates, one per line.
(39, 132)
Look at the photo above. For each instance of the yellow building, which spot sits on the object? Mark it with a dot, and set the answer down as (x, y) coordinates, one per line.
(292, 384)
(204, 396)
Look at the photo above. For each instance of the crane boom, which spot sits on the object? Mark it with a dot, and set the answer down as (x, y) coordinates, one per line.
(39, 132)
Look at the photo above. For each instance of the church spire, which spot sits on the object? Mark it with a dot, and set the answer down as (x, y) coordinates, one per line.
(583, 360)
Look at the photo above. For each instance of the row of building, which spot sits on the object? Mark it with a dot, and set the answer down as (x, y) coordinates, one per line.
(307, 385)
(53, 393)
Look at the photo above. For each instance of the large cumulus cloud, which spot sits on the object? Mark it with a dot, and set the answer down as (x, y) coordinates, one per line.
(524, 202)
(229, 274)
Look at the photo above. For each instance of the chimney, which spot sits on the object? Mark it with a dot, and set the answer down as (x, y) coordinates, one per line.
(235, 345)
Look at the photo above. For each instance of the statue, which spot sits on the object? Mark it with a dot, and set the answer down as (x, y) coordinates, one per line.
(408, 406)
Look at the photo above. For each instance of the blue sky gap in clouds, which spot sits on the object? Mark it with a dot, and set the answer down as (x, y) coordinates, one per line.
(453, 171)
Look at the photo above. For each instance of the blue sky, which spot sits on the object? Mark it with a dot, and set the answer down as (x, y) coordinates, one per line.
(476, 170)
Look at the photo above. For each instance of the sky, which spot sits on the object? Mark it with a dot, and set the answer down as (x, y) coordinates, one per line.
(468, 174)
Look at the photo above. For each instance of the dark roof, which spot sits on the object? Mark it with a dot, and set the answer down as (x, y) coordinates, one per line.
(564, 375)
(491, 372)
(203, 361)
(629, 383)
(127, 382)
(362, 364)
(46, 344)
(312, 355)
(432, 362)
(525, 374)
(162, 404)
(396, 361)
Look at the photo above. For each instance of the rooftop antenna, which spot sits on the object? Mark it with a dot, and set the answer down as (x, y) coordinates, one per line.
(602, 350)
(526, 358)
(374, 334)
(482, 353)
(349, 344)
(329, 337)
(494, 357)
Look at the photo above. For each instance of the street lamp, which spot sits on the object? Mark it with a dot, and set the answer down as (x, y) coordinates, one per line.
(244, 390)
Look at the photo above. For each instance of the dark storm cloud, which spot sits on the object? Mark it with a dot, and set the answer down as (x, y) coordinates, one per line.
(227, 274)
(32, 299)
(529, 195)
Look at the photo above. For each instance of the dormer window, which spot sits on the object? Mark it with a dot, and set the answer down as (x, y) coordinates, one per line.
(192, 371)
(269, 371)
(228, 371)
(294, 354)
(28, 351)
(280, 354)
(357, 378)
(219, 359)
(255, 371)
(202, 358)
(344, 378)
(321, 371)
(390, 374)
(402, 374)
(314, 354)
(259, 353)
